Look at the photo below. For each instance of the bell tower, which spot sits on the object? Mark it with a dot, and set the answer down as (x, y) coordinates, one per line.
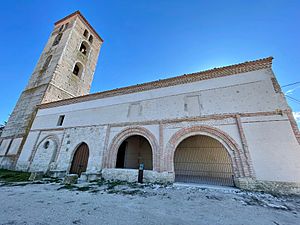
(64, 70)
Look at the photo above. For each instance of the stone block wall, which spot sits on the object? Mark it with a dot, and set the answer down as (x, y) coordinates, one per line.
(53, 79)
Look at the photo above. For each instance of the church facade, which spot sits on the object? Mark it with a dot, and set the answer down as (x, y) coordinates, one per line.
(227, 126)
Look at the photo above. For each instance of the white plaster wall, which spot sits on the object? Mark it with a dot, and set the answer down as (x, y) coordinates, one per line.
(4, 146)
(28, 147)
(247, 92)
(272, 144)
(274, 150)
(31, 140)
(15, 146)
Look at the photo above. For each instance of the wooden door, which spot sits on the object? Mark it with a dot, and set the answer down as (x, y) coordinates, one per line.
(80, 159)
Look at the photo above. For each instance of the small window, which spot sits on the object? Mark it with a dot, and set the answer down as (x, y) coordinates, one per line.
(61, 28)
(60, 120)
(78, 69)
(57, 39)
(46, 144)
(86, 33)
(91, 39)
(47, 62)
(83, 49)
(66, 26)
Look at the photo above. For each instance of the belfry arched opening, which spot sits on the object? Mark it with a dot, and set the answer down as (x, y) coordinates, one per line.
(133, 151)
(203, 159)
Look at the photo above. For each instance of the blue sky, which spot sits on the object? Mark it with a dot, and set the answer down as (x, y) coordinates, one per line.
(150, 40)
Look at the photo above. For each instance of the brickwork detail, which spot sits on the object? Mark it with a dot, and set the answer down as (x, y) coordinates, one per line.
(293, 124)
(276, 86)
(112, 151)
(245, 146)
(239, 161)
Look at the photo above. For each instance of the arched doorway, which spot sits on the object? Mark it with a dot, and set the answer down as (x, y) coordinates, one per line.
(80, 159)
(203, 159)
(133, 151)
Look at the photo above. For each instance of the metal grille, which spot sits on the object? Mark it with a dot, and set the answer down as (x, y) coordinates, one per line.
(202, 159)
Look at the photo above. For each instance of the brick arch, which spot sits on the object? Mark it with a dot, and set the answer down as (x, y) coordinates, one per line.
(122, 136)
(239, 161)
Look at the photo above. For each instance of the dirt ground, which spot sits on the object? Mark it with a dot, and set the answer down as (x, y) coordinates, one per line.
(119, 203)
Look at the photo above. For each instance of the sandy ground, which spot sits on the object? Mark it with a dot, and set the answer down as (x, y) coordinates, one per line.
(127, 204)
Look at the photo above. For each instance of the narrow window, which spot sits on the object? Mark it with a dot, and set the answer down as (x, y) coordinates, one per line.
(47, 62)
(46, 144)
(85, 33)
(83, 49)
(91, 39)
(61, 28)
(57, 39)
(60, 120)
(66, 26)
(78, 68)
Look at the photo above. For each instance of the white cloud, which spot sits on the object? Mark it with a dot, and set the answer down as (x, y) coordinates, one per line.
(297, 116)
(290, 91)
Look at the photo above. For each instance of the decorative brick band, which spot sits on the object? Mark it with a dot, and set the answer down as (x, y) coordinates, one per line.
(293, 124)
(245, 146)
(238, 159)
(112, 151)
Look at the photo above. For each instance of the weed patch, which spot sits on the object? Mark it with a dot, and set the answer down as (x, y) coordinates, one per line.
(13, 176)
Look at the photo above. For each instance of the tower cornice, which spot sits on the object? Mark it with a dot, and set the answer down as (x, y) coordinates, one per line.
(79, 15)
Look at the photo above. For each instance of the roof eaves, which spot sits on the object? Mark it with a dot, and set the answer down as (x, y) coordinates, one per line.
(186, 78)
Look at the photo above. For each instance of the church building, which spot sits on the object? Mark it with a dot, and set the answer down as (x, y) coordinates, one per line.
(227, 126)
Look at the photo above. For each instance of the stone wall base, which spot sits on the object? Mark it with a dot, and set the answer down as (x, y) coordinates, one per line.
(90, 177)
(131, 175)
(22, 166)
(57, 174)
(70, 179)
(36, 176)
(273, 187)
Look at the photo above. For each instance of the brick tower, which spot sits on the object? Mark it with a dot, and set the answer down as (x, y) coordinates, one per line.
(64, 70)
